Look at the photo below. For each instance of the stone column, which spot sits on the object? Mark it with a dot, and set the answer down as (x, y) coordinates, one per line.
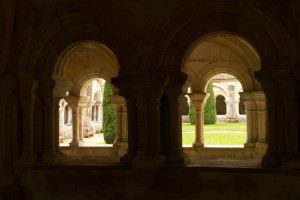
(261, 113)
(73, 103)
(124, 123)
(56, 122)
(251, 115)
(270, 89)
(49, 106)
(236, 105)
(289, 99)
(148, 121)
(80, 123)
(61, 120)
(94, 113)
(9, 134)
(132, 130)
(118, 102)
(174, 139)
(199, 100)
(69, 115)
(28, 96)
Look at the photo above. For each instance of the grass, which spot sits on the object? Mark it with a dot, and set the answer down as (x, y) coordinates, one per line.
(217, 127)
(217, 138)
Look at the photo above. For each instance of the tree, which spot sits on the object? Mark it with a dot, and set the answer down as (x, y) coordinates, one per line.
(210, 113)
(191, 113)
(109, 116)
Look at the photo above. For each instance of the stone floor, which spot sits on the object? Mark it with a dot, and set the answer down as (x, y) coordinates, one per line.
(96, 140)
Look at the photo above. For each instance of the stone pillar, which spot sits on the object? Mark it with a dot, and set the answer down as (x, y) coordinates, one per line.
(73, 103)
(124, 124)
(251, 115)
(80, 123)
(61, 120)
(56, 122)
(69, 116)
(28, 96)
(270, 89)
(148, 121)
(199, 100)
(9, 134)
(289, 99)
(236, 105)
(132, 131)
(118, 102)
(49, 106)
(174, 139)
(98, 111)
(94, 113)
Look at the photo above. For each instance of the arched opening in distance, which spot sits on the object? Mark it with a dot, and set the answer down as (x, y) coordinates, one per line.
(90, 116)
(80, 76)
(226, 56)
(220, 105)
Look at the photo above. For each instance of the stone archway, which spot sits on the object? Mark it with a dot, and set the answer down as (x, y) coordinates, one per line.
(229, 54)
(220, 105)
(78, 71)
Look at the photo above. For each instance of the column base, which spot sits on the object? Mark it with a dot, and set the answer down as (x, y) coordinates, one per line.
(199, 144)
(49, 157)
(28, 159)
(149, 160)
(117, 143)
(177, 159)
(123, 149)
(249, 144)
(9, 187)
(270, 161)
(290, 162)
(74, 143)
(127, 159)
(260, 150)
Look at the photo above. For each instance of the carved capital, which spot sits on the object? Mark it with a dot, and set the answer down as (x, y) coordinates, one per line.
(72, 101)
(198, 100)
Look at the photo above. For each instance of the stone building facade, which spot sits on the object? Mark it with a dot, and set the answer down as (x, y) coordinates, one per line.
(150, 52)
(228, 104)
(91, 98)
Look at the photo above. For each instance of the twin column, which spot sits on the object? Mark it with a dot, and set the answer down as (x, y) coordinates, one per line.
(255, 104)
(199, 100)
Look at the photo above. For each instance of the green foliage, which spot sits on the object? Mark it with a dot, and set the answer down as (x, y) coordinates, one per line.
(210, 113)
(192, 113)
(109, 116)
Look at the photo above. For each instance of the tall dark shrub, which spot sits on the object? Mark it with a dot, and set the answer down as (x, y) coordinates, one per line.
(210, 113)
(192, 113)
(109, 116)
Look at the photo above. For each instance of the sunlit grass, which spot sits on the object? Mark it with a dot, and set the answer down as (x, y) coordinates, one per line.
(217, 127)
(217, 138)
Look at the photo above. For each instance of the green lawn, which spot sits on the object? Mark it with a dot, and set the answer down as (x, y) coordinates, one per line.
(217, 138)
(217, 127)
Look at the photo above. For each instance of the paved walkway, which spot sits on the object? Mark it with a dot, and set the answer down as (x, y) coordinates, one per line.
(97, 140)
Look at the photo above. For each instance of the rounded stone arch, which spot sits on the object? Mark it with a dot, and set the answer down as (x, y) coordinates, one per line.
(80, 65)
(221, 105)
(97, 96)
(245, 78)
(237, 20)
(223, 93)
(37, 55)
